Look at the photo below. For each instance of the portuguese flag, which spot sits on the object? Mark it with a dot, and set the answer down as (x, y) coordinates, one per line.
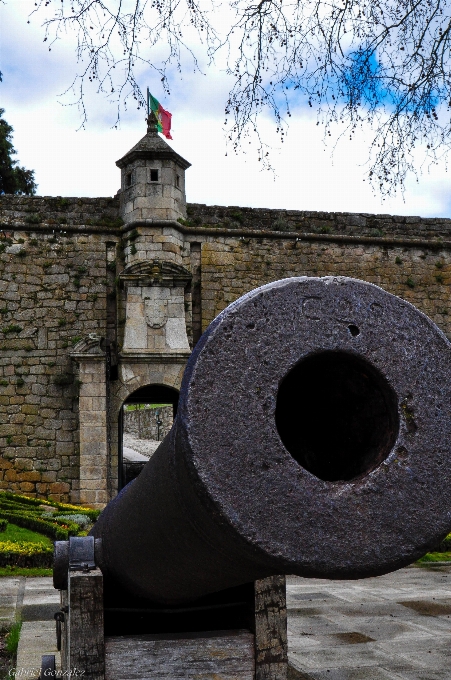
(163, 117)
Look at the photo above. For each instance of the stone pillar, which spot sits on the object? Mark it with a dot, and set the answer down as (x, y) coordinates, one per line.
(94, 444)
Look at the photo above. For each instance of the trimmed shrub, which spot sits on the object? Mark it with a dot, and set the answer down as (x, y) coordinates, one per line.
(445, 545)
(81, 520)
(25, 555)
(30, 513)
(50, 529)
(9, 496)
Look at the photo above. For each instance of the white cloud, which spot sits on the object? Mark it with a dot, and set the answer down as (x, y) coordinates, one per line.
(71, 163)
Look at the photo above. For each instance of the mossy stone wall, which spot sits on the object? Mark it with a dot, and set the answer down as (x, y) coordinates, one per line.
(59, 259)
(54, 283)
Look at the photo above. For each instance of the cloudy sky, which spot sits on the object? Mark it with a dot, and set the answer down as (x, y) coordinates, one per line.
(68, 162)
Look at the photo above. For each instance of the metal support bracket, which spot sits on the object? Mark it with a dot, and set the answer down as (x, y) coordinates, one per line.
(48, 667)
(81, 553)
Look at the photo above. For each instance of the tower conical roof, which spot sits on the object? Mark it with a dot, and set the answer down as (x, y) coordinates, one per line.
(152, 147)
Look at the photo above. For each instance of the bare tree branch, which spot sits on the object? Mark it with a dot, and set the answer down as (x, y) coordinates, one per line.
(378, 63)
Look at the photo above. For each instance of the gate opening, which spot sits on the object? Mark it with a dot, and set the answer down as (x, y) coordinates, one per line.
(145, 419)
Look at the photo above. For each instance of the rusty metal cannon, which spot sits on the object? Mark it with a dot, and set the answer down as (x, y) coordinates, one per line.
(312, 438)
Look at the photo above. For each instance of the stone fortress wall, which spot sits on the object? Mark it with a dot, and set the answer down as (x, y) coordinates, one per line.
(142, 423)
(71, 273)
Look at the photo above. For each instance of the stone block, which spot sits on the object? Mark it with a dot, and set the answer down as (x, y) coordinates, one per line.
(176, 337)
(59, 487)
(10, 475)
(29, 409)
(171, 248)
(93, 434)
(101, 497)
(91, 448)
(94, 418)
(92, 472)
(70, 425)
(94, 389)
(159, 342)
(95, 367)
(26, 486)
(65, 436)
(25, 465)
(87, 497)
(98, 403)
(64, 448)
(92, 484)
(51, 464)
(17, 419)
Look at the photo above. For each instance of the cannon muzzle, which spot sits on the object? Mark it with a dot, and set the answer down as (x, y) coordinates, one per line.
(312, 438)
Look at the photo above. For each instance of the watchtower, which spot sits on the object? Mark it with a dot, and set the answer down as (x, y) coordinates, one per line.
(152, 179)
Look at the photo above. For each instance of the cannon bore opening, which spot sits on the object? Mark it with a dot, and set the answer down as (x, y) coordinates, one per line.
(337, 416)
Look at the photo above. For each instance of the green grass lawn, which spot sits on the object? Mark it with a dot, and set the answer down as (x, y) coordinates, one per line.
(18, 534)
(436, 557)
(23, 571)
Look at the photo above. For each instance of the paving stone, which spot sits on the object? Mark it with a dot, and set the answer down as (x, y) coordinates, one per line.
(39, 612)
(36, 638)
(394, 627)
(362, 673)
(38, 635)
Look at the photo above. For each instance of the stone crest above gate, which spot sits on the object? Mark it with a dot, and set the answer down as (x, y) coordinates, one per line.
(155, 322)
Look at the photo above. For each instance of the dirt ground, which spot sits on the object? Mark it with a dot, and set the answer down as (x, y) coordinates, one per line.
(6, 661)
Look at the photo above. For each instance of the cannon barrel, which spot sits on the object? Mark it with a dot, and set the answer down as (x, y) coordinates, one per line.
(312, 438)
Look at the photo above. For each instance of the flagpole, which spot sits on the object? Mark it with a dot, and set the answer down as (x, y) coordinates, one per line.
(148, 98)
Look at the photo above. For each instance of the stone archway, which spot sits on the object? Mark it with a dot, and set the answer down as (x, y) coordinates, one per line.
(144, 419)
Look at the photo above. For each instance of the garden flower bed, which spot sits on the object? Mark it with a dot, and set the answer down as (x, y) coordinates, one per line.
(28, 526)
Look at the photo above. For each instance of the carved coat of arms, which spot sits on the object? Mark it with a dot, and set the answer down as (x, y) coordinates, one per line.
(156, 312)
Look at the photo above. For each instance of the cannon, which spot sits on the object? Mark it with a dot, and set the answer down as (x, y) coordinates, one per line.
(312, 438)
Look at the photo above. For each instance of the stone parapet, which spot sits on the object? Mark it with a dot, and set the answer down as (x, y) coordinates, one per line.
(353, 224)
(36, 212)
(231, 267)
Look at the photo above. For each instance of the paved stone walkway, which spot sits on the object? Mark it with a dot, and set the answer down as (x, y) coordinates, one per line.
(143, 448)
(394, 627)
(34, 600)
(11, 599)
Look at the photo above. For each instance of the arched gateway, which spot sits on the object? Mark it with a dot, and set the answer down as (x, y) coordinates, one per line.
(144, 420)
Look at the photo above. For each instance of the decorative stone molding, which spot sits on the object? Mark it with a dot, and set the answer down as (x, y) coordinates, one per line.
(155, 273)
(89, 348)
(129, 357)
